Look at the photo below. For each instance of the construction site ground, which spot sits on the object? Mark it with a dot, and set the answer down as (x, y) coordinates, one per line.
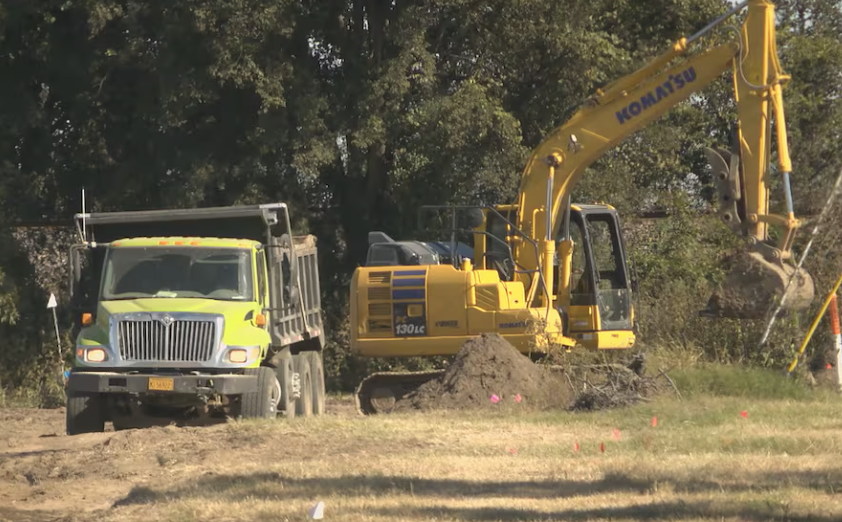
(701, 459)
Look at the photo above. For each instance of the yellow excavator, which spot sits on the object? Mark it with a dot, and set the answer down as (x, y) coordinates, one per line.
(545, 272)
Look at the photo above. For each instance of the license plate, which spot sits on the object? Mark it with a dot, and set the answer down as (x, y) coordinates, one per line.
(161, 383)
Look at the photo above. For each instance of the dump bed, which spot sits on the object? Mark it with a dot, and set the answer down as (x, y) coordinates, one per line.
(295, 319)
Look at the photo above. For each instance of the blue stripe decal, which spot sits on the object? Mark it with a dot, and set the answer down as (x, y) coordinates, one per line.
(408, 294)
(399, 273)
(415, 281)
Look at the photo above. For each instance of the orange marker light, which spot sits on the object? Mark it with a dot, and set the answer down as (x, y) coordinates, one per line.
(87, 319)
(260, 320)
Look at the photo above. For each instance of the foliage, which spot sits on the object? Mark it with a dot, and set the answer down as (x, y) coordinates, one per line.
(357, 113)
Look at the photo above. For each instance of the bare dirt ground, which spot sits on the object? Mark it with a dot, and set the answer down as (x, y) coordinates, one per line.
(473, 446)
(48, 476)
(701, 461)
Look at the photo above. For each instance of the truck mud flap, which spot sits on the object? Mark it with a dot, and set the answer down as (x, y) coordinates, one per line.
(108, 382)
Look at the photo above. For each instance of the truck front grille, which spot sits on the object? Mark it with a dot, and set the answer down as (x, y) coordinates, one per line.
(180, 341)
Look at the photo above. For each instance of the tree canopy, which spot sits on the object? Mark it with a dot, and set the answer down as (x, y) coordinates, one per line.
(357, 112)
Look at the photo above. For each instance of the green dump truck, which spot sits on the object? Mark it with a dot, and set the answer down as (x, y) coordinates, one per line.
(194, 314)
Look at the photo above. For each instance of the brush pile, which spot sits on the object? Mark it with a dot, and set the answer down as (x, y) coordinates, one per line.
(604, 386)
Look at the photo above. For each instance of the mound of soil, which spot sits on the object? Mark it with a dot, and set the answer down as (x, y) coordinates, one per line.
(486, 367)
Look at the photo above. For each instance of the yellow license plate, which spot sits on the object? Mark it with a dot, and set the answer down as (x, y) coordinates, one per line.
(160, 383)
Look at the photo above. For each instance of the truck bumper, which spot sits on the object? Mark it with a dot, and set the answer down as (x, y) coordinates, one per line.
(113, 382)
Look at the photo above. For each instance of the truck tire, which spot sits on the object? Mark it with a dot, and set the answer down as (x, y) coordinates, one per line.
(318, 372)
(262, 403)
(304, 404)
(284, 372)
(84, 414)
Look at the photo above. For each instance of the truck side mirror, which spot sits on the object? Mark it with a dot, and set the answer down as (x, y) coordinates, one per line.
(81, 290)
(76, 259)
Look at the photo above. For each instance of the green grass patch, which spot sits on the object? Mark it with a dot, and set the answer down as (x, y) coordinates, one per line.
(22, 398)
(739, 381)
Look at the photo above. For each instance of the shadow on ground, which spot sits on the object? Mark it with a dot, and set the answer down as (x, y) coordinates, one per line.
(673, 511)
(273, 486)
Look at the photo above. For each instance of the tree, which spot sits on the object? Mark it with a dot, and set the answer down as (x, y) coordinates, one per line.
(358, 112)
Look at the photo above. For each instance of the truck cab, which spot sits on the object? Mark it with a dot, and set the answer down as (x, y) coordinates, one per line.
(211, 291)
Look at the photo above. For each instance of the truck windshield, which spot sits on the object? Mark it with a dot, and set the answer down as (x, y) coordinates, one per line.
(210, 273)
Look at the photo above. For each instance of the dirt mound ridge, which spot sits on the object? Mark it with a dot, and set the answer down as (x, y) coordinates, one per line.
(488, 366)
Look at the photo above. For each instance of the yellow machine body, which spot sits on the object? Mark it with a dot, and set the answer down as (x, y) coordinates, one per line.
(432, 310)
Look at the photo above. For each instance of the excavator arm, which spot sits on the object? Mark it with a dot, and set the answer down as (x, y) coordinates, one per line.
(635, 101)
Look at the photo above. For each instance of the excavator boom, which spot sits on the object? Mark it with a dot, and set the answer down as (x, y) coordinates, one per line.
(759, 275)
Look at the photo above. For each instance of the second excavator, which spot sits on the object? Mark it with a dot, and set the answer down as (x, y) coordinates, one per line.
(548, 272)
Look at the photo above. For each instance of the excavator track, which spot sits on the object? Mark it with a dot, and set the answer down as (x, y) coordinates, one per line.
(379, 392)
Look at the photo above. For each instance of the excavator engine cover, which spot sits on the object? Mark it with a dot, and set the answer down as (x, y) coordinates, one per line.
(754, 287)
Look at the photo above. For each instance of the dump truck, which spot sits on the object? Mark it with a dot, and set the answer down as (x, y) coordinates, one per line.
(190, 315)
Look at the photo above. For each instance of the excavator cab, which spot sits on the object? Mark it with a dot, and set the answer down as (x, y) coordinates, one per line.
(597, 303)
(599, 296)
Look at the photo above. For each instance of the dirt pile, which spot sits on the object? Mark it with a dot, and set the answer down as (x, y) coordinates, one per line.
(488, 372)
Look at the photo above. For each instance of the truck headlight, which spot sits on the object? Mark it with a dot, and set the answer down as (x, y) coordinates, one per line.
(94, 354)
(238, 355)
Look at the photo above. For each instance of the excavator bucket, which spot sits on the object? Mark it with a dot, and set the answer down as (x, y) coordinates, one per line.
(755, 286)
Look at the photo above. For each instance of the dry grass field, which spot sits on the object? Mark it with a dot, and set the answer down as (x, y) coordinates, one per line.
(703, 461)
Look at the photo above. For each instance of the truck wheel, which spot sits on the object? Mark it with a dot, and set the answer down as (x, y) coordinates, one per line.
(284, 373)
(318, 373)
(262, 403)
(85, 414)
(304, 404)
